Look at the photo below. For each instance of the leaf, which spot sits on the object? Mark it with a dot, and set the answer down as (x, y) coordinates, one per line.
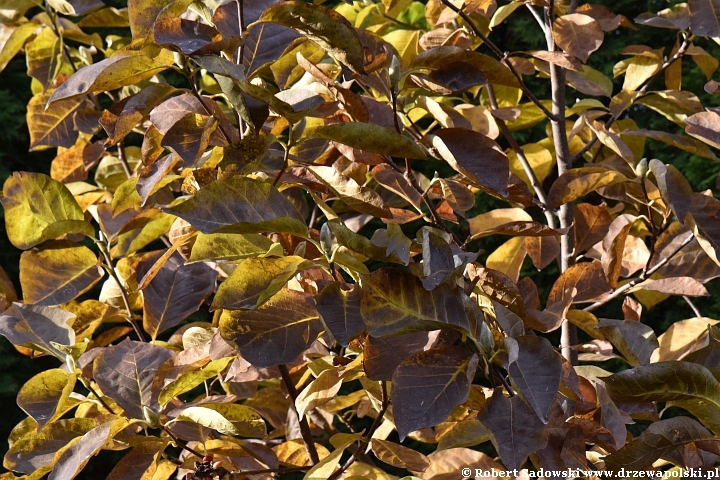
(394, 241)
(687, 385)
(674, 188)
(515, 429)
(190, 136)
(658, 440)
(140, 463)
(681, 338)
(612, 141)
(429, 385)
(474, 155)
(38, 328)
(687, 144)
(542, 250)
(578, 34)
(614, 246)
(38, 208)
(109, 74)
(246, 421)
(370, 138)
(328, 465)
(561, 59)
(208, 418)
(704, 18)
(228, 247)
(240, 205)
(394, 181)
(52, 126)
(488, 222)
(577, 182)
(394, 301)
(58, 272)
(381, 356)
(45, 397)
(508, 258)
(323, 26)
(256, 280)
(591, 225)
(72, 459)
(535, 369)
(440, 57)
(399, 456)
(125, 373)
(339, 310)
(704, 126)
(275, 333)
(635, 340)
(320, 391)
(190, 36)
(357, 197)
(674, 286)
(587, 278)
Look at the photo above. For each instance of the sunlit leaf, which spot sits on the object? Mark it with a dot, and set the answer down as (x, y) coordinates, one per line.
(399, 456)
(38, 328)
(577, 182)
(320, 391)
(370, 138)
(45, 396)
(578, 34)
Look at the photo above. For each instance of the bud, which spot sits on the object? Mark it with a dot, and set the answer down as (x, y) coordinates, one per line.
(395, 70)
(151, 418)
(641, 168)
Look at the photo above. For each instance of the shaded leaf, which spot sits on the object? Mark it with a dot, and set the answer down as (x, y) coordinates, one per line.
(636, 341)
(140, 463)
(38, 328)
(381, 356)
(418, 402)
(515, 429)
(125, 373)
(38, 208)
(276, 332)
(370, 138)
(476, 156)
(58, 272)
(339, 310)
(535, 369)
(394, 301)
(704, 18)
(240, 205)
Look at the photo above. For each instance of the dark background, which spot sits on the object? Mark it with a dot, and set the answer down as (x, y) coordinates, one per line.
(521, 34)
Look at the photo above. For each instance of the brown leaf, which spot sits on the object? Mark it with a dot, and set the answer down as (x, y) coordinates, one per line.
(382, 355)
(704, 126)
(542, 250)
(635, 340)
(587, 278)
(577, 182)
(190, 37)
(613, 247)
(561, 59)
(119, 120)
(632, 309)
(674, 286)
(704, 18)
(340, 310)
(578, 34)
(399, 456)
(611, 418)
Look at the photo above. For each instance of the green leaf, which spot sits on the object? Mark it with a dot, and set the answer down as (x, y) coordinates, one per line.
(256, 280)
(189, 380)
(109, 74)
(340, 311)
(176, 291)
(38, 208)
(355, 196)
(58, 272)
(370, 138)
(323, 26)
(45, 397)
(38, 328)
(125, 373)
(247, 421)
(241, 205)
(228, 247)
(658, 440)
(144, 228)
(429, 385)
(535, 369)
(394, 301)
(275, 333)
(686, 385)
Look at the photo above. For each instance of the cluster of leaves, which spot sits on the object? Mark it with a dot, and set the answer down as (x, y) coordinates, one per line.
(239, 149)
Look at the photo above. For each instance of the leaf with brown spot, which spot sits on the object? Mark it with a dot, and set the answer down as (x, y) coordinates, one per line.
(674, 286)
(587, 278)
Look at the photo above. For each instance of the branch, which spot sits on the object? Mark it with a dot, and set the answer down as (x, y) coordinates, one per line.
(181, 444)
(123, 293)
(366, 439)
(687, 40)
(86, 384)
(500, 54)
(692, 305)
(241, 48)
(619, 291)
(123, 158)
(304, 426)
(534, 181)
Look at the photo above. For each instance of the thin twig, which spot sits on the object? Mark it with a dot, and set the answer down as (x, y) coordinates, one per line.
(274, 470)
(181, 444)
(500, 54)
(692, 305)
(619, 291)
(86, 384)
(209, 110)
(123, 293)
(687, 40)
(304, 426)
(123, 158)
(534, 181)
(366, 438)
(286, 156)
(240, 53)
